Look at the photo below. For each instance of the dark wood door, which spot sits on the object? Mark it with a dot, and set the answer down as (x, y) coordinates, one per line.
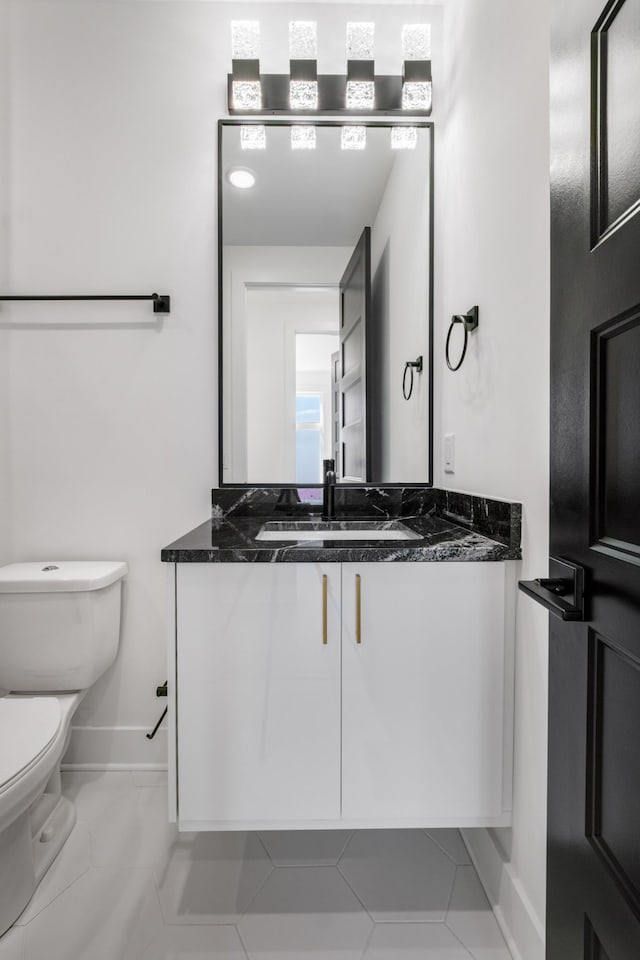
(355, 299)
(593, 902)
(335, 411)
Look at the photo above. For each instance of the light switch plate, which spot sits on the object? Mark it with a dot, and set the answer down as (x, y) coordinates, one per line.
(449, 453)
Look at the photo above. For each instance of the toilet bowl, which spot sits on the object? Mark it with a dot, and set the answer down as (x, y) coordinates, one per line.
(35, 819)
(59, 631)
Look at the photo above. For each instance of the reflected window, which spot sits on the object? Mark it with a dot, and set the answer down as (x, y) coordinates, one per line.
(309, 437)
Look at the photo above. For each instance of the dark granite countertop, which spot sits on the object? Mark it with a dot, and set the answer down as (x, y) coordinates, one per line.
(230, 535)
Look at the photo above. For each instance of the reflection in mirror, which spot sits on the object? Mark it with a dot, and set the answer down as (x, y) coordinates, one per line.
(325, 295)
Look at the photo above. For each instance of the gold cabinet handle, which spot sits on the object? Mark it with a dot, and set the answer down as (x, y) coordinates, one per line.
(324, 607)
(358, 609)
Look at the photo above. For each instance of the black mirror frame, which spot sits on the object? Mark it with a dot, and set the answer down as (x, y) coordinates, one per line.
(289, 121)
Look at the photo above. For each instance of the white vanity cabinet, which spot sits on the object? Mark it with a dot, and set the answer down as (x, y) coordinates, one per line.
(356, 694)
(425, 720)
(258, 692)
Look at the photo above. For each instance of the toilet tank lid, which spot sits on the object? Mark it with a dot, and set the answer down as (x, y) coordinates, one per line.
(60, 576)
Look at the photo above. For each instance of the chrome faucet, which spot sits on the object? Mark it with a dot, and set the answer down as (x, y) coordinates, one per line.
(329, 490)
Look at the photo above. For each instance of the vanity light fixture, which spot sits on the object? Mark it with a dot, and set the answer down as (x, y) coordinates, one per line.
(303, 65)
(303, 94)
(353, 137)
(360, 93)
(241, 177)
(404, 138)
(417, 89)
(303, 91)
(303, 136)
(246, 87)
(253, 137)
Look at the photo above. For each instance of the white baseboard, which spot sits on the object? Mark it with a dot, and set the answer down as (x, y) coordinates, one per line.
(115, 748)
(521, 927)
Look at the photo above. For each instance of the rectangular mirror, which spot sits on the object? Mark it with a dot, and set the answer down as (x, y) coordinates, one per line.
(326, 287)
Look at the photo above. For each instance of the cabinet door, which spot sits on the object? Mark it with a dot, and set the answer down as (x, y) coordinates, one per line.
(423, 693)
(258, 693)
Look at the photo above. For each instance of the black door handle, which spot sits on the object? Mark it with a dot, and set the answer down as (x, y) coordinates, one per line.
(562, 592)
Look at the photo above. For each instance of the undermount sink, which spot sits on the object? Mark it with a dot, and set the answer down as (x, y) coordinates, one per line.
(336, 530)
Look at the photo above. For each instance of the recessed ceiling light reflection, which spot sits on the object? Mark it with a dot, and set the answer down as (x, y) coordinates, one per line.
(241, 177)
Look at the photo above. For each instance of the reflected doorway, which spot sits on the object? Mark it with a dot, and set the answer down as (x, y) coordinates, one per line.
(291, 334)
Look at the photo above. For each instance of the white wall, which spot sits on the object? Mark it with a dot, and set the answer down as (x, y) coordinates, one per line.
(113, 453)
(113, 189)
(400, 281)
(492, 248)
(265, 365)
(5, 180)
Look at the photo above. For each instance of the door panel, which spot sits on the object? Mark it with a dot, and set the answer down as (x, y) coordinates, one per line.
(259, 733)
(615, 74)
(423, 692)
(355, 299)
(594, 678)
(593, 948)
(335, 412)
(616, 397)
(613, 812)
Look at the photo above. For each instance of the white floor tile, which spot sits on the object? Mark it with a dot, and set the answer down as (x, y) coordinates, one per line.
(126, 886)
(211, 877)
(134, 830)
(316, 848)
(414, 941)
(306, 913)
(196, 943)
(105, 915)
(399, 875)
(453, 845)
(12, 944)
(72, 861)
(93, 791)
(471, 919)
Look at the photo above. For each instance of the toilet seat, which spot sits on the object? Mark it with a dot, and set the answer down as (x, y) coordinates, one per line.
(32, 724)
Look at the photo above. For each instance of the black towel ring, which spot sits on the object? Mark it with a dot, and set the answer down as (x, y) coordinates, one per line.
(409, 367)
(470, 322)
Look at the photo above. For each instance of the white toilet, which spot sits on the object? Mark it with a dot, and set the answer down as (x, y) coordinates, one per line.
(59, 632)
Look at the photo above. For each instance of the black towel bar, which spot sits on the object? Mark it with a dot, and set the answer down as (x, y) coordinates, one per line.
(161, 301)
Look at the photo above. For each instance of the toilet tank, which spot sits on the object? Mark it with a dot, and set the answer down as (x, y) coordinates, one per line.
(59, 623)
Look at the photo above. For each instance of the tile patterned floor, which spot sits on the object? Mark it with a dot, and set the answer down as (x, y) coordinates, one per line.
(126, 886)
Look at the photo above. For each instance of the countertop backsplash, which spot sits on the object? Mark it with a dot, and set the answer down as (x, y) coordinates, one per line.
(497, 519)
(449, 526)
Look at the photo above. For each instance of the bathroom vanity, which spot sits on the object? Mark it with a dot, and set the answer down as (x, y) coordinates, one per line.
(355, 683)
(323, 677)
